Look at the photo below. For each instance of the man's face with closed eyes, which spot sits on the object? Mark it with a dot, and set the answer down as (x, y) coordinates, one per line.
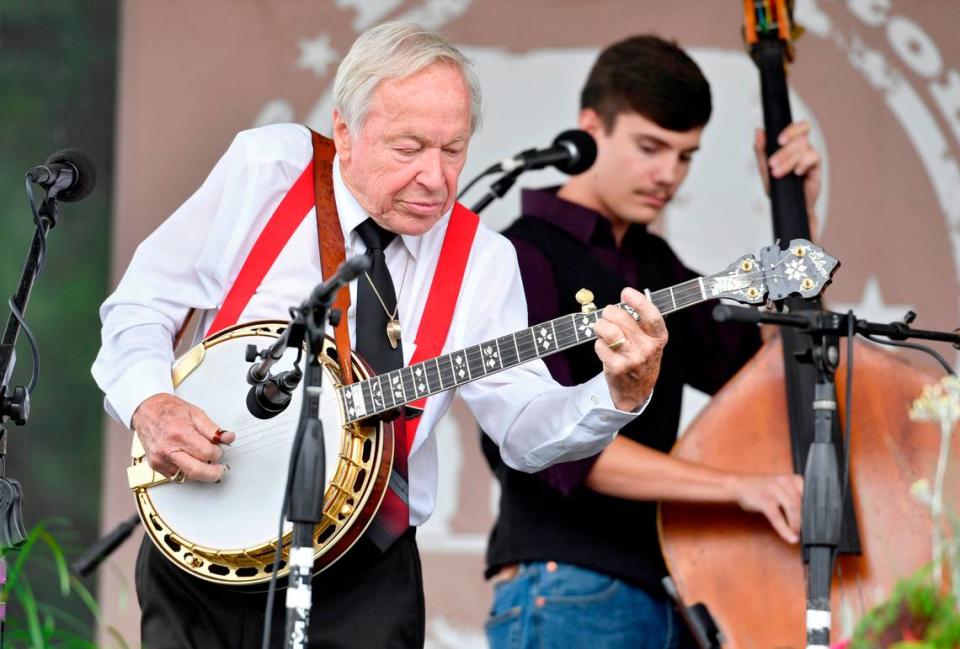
(404, 162)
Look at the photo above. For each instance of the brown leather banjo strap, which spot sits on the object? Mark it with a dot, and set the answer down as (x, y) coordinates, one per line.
(183, 329)
(332, 253)
(330, 236)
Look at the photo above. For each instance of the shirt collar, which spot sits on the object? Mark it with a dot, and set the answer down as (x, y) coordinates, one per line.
(351, 214)
(576, 220)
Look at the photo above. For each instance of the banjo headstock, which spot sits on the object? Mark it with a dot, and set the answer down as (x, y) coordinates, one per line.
(802, 269)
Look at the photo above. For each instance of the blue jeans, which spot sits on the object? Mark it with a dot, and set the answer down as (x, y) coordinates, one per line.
(570, 607)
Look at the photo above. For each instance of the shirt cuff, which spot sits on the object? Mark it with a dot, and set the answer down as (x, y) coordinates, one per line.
(597, 420)
(137, 384)
(597, 410)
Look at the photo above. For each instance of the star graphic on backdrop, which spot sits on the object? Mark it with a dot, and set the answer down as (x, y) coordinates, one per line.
(368, 11)
(872, 306)
(317, 55)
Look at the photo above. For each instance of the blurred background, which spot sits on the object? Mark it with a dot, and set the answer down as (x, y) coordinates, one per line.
(58, 81)
(154, 92)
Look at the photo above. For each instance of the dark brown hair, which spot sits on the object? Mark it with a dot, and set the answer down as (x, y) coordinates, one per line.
(649, 76)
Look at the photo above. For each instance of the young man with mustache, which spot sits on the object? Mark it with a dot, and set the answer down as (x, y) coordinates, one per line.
(574, 553)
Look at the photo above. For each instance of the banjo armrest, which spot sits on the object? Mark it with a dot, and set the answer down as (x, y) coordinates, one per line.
(140, 475)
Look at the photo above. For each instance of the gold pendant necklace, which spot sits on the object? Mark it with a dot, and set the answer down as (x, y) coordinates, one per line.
(393, 332)
(393, 325)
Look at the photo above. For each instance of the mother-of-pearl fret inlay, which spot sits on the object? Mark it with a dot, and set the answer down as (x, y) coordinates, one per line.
(396, 386)
(420, 379)
(460, 369)
(429, 377)
(491, 356)
(376, 394)
(721, 285)
(544, 338)
(585, 325)
(393, 389)
(354, 397)
(444, 372)
(629, 309)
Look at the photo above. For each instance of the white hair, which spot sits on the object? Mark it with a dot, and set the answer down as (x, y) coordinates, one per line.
(395, 50)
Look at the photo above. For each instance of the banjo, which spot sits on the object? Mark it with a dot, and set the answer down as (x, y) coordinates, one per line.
(227, 532)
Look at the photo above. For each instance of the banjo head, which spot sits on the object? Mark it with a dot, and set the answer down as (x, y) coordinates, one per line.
(227, 532)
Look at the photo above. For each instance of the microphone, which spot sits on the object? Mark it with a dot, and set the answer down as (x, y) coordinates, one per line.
(272, 396)
(346, 273)
(353, 268)
(322, 294)
(745, 315)
(67, 175)
(572, 152)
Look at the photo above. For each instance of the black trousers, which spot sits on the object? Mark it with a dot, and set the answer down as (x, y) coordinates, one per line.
(367, 600)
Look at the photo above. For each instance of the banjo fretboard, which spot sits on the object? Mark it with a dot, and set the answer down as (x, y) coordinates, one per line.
(399, 387)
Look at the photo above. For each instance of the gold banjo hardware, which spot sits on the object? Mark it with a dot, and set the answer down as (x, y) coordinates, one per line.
(350, 501)
(365, 457)
(584, 298)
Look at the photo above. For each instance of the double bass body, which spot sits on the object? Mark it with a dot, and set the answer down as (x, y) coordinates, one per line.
(751, 581)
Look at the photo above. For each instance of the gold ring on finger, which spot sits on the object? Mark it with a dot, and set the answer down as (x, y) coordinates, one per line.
(617, 344)
(179, 477)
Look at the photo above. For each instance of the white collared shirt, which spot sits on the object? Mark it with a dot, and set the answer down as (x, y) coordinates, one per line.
(192, 259)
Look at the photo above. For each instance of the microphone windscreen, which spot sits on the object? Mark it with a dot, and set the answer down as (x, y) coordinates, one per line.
(585, 146)
(85, 177)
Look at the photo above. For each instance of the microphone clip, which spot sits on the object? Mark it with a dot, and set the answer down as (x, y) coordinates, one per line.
(271, 396)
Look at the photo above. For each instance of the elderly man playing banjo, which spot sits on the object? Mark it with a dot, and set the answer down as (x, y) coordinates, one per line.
(245, 247)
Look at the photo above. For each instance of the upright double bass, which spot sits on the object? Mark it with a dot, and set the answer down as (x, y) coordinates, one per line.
(752, 582)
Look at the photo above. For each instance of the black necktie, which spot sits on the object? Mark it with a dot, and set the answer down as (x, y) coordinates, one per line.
(376, 301)
(393, 516)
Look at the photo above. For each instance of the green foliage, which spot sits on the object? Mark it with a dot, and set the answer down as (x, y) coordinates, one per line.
(57, 90)
(922, 613)
(918, 615)
(45, 625)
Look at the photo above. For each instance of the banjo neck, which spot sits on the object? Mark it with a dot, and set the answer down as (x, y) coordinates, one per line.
(237, 549)
(396, 388)
(803, 268)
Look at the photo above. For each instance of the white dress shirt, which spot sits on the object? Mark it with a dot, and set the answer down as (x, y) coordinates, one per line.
(192, 259)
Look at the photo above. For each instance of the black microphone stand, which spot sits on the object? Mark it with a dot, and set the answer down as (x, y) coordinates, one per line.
(500, 187)
(307, 480)
(307, 486)
(15, 401)
(822, 489)
(92, 557)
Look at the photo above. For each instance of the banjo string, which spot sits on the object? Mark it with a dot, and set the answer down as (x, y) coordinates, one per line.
(262, 431)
